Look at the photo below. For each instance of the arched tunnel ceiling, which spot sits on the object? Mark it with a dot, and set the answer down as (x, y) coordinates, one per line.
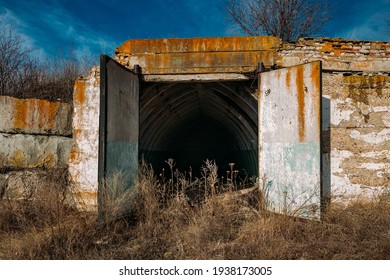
(166, 108)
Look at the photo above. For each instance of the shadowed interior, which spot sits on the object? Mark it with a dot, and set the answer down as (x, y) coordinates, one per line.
(194, 121)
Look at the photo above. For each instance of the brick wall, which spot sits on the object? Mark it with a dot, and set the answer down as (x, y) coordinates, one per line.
(359, 130)
(338, 54)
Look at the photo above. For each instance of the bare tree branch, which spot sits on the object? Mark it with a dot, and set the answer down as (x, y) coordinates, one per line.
(285, 19)
(23, 76)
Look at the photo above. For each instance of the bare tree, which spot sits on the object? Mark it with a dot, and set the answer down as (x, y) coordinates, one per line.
(15, 62)
(23, 76)
(285, 19)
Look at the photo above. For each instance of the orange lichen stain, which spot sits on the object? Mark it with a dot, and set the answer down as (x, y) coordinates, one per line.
(74, 155)
(77, 132)
(79, 91)
(42, 119)
(35, 114)
(301, 103)
(327, 47)
(187, 45)
(21, 112)
(337, 52)
(52, 109)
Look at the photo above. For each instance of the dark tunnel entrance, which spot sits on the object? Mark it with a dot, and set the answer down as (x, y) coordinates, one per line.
(194, 121)
(218, 119)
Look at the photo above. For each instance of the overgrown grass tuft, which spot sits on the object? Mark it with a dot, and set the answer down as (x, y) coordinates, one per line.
(173, 219)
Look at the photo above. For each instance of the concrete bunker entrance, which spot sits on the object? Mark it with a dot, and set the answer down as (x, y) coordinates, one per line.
(196, 99)
(194, 121)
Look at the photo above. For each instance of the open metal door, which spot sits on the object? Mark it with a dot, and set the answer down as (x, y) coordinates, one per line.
(289, 139)
(118, 124)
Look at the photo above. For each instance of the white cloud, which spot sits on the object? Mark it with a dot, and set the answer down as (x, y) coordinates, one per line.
(51, 29)
(8, 18)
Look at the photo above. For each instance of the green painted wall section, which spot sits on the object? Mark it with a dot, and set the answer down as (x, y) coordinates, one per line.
(302, 157)
(118, 155)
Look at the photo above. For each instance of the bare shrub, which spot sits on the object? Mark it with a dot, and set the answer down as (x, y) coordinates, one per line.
(16, 66)
(116, 201)
(54, 79)
(42, 203)
(23, 76)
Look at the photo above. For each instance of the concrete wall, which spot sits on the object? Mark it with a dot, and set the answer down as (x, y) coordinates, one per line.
(35, 138)
(198, 55)
(83, 162)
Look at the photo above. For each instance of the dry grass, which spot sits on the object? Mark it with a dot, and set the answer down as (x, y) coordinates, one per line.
(162, 223)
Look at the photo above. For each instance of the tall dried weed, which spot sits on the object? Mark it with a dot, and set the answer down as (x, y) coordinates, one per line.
(179, 217)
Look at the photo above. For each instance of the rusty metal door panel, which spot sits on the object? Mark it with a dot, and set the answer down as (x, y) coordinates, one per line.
(119, 122)
(289, 139)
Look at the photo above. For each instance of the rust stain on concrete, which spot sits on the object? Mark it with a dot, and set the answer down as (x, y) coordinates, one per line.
(199, 55)
(20, 113)
(209, 62)
(327, 47)
(48, 112)
(315, 76)
(29, 113)
(74, 155)
(79, 91)
(219, 44)
(301, 103)
(288, 81)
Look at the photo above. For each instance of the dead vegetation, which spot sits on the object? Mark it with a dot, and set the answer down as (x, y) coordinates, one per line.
(24, 76)
(158, 221)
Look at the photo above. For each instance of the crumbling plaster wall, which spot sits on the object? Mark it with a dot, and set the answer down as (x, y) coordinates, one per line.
(83, 161)
(359, 133)
(356, 111)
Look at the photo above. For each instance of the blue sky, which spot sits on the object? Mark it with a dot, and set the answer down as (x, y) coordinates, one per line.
(99, 26)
